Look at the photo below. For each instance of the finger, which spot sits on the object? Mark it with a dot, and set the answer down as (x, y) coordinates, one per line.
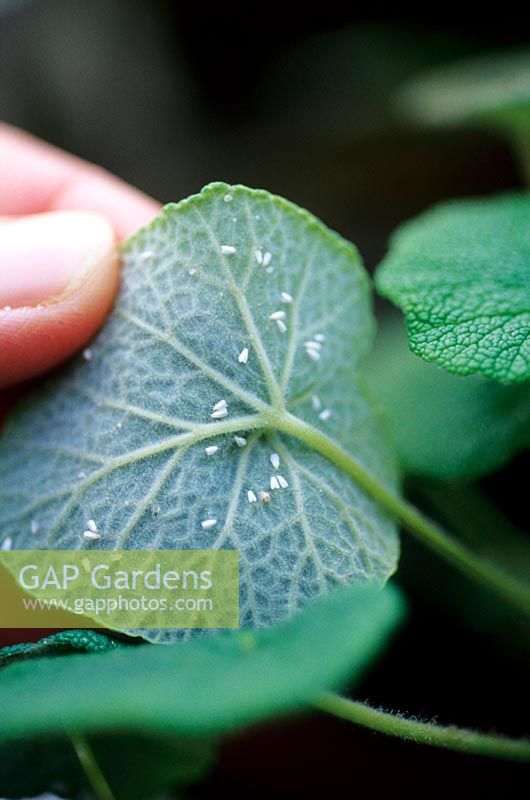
(58, 277)
(37, 177)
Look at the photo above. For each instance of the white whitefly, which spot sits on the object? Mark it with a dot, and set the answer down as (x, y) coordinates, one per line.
(275, 460)
(316, 402)
(34, 527)
(91, 535)
(208, 523)
(325, 415)
(319, 337)
(146, 255)
(243, 356)
(258, 255)
(267, 259)
(7, 544)
(228, 249)
(286, 297)
(276, 315)
(313, 345)
(88, 354)
(220, 413)
(211, 449)
(251, 497)
(220, 404)
(274, 482)
(91, 525)
(313, 354)
(228, 198)
(283, 483)
(240, 441)
(282, 327)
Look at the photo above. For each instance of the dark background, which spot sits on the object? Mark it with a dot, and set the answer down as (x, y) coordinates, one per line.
(173, 95)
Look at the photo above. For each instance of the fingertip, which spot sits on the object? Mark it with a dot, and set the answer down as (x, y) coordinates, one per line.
(95, 189)
(41, 332)
(38, 177)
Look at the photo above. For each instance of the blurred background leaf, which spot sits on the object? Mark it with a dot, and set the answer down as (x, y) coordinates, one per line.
(206, 685)
(444, 426)
(492, 89)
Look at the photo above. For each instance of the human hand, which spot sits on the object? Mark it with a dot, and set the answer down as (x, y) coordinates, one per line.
(60, 218)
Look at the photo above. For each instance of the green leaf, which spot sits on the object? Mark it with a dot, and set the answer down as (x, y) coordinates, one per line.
(137, 767)
(202, 686)
(444, 426)
(488, 89)
(121, 438)
(461, 274)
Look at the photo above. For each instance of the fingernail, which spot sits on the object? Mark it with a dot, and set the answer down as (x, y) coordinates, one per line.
(44, 257)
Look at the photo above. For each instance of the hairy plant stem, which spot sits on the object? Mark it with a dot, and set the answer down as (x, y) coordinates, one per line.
(424, 529)
(91, 768)
(448, 736)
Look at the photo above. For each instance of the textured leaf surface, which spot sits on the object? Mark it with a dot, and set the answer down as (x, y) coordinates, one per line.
(202, 685)
(461, 274)
(445, 426)
(85, 641)
(494, 88)
(121, 439)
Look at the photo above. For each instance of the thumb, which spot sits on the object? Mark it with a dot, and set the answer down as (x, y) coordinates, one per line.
(58, 278)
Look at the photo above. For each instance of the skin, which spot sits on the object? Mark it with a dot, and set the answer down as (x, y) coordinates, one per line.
(40, 179)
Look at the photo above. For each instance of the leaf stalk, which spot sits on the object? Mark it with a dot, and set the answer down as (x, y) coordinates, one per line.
(450, 737)
(90, 767)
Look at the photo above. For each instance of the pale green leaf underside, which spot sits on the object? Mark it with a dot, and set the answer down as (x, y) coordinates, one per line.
(203, 686)
(444, 426)
(121, 439)
(493, 88)
(461, 274)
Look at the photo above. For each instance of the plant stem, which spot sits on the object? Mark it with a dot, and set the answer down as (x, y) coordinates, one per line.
(91, 768)
(424, 529)
(448, 736)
